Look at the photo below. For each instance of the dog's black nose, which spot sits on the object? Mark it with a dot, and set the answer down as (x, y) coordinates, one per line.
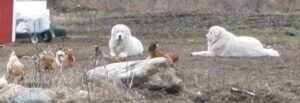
(120, 37)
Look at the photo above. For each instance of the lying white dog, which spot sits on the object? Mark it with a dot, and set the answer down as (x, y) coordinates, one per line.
(225, 44)
(122, 43)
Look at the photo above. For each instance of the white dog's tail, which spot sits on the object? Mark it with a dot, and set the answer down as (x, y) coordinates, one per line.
(271, 52)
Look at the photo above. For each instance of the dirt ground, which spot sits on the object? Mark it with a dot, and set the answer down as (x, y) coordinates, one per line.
(272, 79)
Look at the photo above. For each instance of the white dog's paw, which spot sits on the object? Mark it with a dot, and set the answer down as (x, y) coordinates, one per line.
(112, 54)
(124, 55)
(149, 57)
(197, 53)
(192, 54)
(201, 53)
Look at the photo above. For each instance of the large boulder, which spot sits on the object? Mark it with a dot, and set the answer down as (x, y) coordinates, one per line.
(36, 95)
(154, 74)
(8, 93)
(15, 93)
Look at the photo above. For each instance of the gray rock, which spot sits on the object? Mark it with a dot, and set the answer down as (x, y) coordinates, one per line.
(201, 97)
(291, 33)
(8, 93)
(36, 95)
(83, 93)
(154, 74)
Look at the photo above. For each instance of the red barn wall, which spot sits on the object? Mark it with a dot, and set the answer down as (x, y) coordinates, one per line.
(6, 21)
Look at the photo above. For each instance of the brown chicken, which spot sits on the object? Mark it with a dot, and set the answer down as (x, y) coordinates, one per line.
(115, 59)
(69, 58)
(47, 59)
(112, 59)
(154, 53)
(15, 67)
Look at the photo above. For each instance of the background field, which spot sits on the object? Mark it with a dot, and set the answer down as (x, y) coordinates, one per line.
(179, 27)
(125, 6)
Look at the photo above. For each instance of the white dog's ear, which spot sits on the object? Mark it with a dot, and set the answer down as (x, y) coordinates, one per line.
(112, 33)
(128, 33)
(219, 32)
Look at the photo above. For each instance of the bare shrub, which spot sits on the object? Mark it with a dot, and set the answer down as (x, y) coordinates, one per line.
(284, 5)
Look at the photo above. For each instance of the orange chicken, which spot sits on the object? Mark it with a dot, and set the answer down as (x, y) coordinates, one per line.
(69, 58)
(154, 53)
(15, 67)
(64, 59)
(47, 59)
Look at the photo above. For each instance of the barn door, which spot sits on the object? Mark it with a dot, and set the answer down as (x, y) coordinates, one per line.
(6, 21)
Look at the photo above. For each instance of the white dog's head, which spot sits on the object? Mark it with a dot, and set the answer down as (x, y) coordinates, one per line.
(120, 33)
(215, 33)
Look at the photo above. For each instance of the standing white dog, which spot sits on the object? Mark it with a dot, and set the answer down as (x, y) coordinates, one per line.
(225, 44)
(122, 43)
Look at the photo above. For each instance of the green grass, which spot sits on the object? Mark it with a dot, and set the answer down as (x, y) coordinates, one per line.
(265, 36)
(268, 35)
